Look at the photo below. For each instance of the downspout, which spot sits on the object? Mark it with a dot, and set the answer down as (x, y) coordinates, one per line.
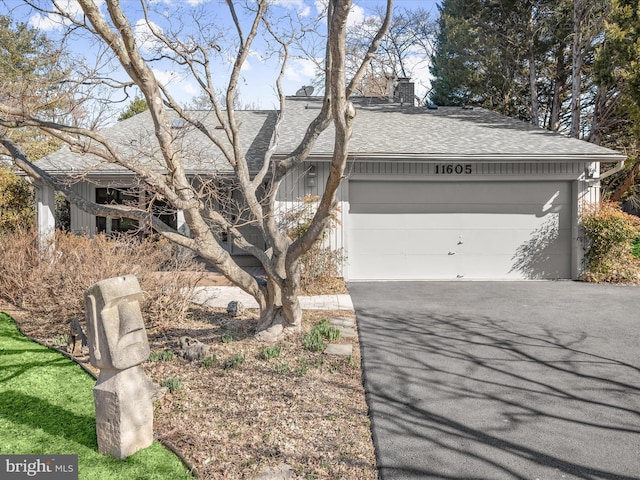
(618, 168)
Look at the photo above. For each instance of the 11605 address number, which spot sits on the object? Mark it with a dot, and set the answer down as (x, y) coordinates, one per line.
(453, 169)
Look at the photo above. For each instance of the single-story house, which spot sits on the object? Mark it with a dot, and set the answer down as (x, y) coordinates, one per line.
(429, 193)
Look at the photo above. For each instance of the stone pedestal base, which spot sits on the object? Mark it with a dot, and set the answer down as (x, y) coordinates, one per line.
(124, 411)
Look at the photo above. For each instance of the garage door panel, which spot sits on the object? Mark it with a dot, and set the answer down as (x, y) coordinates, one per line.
(406, 267)
(411, 193)
(537, 209)
(407, 242)
(547, 267)
(455, 220)
(485, 230)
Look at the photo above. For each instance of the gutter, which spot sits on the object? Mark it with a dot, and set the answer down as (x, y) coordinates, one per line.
(473, 158)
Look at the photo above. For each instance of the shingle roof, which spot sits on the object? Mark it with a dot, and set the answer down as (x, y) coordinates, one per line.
(135, 137)
(382, 131)
(390, 131)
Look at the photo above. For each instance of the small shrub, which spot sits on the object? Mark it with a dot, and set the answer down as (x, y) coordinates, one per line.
(327, 331)
(161, 356)
(61, 341)
(635, 248)
(320, 265)
(16, 202)
(52, 284)
(172, 384)
(334, 368)
(209, 361)
(268, 353)
(281, 368)
(234, 362)
(313, 341)
(610, 234)
(303, 366)
(227, 338)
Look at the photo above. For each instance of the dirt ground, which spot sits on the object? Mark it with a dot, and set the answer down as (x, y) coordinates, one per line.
(240, 414)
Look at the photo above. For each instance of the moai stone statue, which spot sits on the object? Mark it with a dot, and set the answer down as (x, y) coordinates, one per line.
(117, 346)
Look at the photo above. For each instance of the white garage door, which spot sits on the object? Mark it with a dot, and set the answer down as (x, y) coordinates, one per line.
(467, 230)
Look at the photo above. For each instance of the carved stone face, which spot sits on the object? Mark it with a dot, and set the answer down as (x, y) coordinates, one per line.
(117, 338)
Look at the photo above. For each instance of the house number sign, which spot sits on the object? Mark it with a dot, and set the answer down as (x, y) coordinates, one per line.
(453, 169)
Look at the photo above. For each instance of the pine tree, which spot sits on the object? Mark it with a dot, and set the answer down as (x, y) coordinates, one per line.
(455, 65)
(617, 70)
(137, 105)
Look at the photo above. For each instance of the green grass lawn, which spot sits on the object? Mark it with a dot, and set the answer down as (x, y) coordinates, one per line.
(46, 407)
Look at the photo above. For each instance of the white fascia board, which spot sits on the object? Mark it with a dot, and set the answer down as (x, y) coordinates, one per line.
(436, 158)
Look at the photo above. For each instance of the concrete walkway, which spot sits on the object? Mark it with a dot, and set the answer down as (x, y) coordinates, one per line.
(220, 296)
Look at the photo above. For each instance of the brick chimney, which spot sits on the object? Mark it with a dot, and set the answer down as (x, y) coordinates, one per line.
(404, 91)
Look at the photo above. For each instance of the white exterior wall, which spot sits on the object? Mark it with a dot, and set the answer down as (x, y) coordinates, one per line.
(295, 187)
(585, 188)
(83, 222)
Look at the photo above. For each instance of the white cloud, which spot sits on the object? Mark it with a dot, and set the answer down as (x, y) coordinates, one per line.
(418, 65)
(45, 23)
(300, 70)
(356, 16)
(257, 55)
(246, 66)
(146, 40)
(321, 7)
(193, 3)
(167, 77)
(179, 86)
(55, 21)
(299, 5)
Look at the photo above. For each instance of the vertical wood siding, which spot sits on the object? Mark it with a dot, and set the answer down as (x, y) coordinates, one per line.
(82, 222)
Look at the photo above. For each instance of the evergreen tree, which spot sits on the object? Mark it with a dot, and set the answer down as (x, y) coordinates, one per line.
(137, 105)
(455, 65)
(29, 70)
(617, 70)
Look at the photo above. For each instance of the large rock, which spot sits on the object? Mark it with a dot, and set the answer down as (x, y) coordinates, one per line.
(235, 308)
(77, 342)
(193, 349)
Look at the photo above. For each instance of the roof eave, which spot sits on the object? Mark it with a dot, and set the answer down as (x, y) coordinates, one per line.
(474, 158)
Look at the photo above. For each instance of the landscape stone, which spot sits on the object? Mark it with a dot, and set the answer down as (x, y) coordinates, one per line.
(193, 349)
(77, 341)
(340, 349)
(235, 308)
(342, 322)
(118, 344)
(346, 332)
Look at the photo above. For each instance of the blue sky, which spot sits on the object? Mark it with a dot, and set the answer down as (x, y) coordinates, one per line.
(259, 73)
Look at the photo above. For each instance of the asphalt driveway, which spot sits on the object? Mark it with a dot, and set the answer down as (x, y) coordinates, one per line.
(502, 380)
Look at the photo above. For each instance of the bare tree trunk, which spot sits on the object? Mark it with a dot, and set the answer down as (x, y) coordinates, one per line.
(533, 87)
(576, 67)
(560, 79)
(626, 184)
(533, 73)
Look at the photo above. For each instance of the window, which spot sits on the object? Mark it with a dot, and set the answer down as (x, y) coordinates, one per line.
(110, 196)
(124, 196)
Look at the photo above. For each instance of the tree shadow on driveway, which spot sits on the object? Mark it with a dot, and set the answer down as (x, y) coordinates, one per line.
(462, 396)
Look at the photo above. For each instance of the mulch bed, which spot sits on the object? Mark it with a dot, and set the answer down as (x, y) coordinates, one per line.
(239, 415)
